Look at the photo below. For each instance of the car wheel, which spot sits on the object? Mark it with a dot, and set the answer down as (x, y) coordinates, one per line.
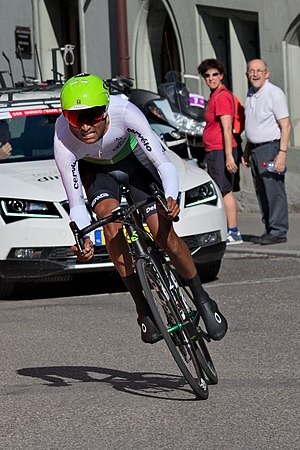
(6, 289)
(208, 271)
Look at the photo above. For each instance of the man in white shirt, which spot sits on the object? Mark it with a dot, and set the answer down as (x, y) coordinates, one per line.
(267, 128)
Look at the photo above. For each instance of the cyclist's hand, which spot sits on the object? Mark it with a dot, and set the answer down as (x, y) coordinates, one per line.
(88, 251)
(173, 208)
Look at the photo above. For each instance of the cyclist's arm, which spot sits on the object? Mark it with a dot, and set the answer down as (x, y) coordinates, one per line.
(68, 169)
(149, 143)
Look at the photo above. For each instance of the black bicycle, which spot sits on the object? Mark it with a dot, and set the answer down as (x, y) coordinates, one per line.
(167, 296)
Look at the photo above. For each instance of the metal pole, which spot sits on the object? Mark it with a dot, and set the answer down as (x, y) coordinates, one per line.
(83, 55)
(54, 63)
(122, 36)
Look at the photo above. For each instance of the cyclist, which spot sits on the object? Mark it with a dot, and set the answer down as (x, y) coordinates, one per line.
(98, 141)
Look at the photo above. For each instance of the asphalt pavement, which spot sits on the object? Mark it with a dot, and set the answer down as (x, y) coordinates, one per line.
(75, 375)
(250, 225)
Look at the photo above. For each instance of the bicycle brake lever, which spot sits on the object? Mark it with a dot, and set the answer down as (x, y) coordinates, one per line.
(79, 240)
(159, 195)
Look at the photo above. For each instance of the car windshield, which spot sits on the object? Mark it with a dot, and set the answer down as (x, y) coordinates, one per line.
(31, 137)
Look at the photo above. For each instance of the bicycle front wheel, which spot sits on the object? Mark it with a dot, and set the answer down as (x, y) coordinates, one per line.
(183, 350)
(207, 362)
(200, 347)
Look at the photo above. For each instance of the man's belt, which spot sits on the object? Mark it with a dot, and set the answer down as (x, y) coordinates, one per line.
(259, 144)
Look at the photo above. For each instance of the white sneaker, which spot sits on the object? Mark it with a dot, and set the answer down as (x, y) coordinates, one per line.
(234, 237)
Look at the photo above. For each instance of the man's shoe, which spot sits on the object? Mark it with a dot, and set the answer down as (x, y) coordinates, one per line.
(273, 239)
(234, 238)
(215, 322)
(258, 239)
(149, 331)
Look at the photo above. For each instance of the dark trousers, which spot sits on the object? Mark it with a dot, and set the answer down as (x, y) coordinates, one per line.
(270, 190)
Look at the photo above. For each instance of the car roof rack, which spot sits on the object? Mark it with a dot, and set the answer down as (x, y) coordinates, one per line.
(11, 93)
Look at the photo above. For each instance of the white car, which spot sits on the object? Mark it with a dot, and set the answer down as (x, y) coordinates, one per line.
(34, 222)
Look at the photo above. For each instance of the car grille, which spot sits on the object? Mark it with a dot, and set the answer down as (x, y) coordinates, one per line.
(66, 255)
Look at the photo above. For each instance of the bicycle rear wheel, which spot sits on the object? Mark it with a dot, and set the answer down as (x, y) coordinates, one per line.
(181, 346)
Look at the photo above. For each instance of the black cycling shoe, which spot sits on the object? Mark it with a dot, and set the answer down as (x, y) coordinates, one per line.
(149, 332)
(215, 322)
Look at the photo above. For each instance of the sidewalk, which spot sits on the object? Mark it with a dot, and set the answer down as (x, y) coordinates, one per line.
(250, 225)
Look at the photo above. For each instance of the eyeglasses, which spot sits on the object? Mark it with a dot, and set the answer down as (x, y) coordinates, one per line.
(90, 116)
(214, 74)
(253, 71)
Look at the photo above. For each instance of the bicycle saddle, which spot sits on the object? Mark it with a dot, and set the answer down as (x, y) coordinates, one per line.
(120, 177)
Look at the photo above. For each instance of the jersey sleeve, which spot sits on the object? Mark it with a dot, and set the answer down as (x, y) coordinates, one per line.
(280, 108)
(138, 125)
(68, 168)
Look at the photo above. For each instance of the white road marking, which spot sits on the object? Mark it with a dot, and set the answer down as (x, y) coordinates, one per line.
(261, 281)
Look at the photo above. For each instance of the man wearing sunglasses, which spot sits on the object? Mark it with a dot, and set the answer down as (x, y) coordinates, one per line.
(98, 141)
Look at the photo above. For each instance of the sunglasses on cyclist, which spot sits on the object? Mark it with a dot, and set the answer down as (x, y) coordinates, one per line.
(90, 116)
(214, 74)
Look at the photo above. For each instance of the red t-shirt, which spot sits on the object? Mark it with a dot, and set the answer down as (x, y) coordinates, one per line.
(220, 103)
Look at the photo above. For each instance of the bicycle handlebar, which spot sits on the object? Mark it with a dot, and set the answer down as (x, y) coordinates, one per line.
(159, 195)
(119, 213)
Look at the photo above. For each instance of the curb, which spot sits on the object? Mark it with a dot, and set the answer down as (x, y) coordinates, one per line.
(259, 251)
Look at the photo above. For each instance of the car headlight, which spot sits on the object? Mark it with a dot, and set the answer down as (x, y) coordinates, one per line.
(189, 126)
(17, 209)
(205, 193)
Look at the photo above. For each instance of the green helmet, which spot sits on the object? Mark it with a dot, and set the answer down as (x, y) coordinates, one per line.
(84, 91)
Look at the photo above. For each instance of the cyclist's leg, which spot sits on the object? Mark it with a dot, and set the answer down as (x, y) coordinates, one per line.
(166, 237)
(118, 251)
(103, 195)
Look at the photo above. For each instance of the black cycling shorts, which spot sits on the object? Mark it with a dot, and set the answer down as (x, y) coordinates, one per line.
(216, 167)
(102, 181)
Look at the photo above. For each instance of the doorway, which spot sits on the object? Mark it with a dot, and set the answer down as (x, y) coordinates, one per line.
(157, 48)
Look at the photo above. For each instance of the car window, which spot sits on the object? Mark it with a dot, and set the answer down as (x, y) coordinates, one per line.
(31, 137)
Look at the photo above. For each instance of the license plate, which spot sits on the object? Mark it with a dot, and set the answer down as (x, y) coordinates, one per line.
(99, 237)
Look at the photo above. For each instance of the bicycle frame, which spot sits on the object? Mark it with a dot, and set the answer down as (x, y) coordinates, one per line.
(139, 241)
(180, 329)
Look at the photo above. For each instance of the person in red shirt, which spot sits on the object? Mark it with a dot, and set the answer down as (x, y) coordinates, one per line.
(220, 145)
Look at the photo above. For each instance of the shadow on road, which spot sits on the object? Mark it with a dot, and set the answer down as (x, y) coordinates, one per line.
(157, 385)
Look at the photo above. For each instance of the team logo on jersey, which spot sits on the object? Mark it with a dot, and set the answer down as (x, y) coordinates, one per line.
(144, 141)
(75, 177)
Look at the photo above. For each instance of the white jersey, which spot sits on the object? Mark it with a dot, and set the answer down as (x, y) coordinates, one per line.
(125, 121)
